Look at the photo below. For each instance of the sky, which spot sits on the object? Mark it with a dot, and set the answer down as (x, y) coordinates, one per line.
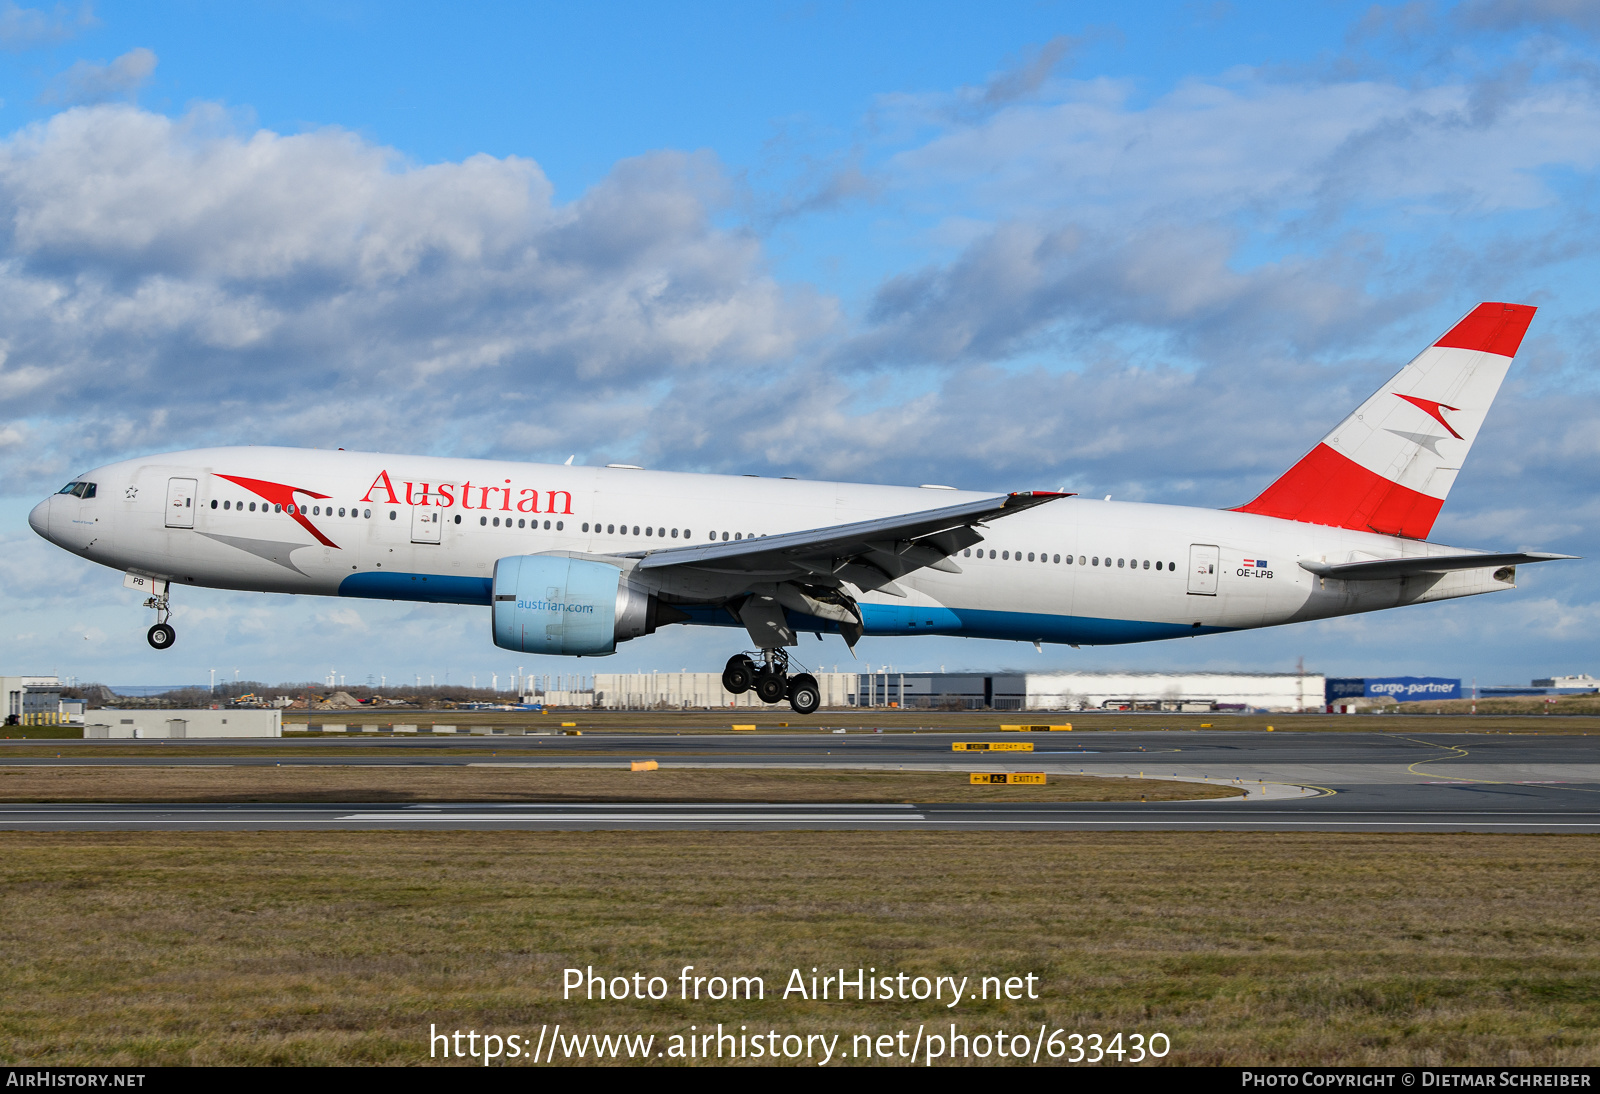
(1154, 251)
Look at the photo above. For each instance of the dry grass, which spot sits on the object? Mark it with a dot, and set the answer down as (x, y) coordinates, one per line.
(343, 947)
(415, 784)
(1524, 705)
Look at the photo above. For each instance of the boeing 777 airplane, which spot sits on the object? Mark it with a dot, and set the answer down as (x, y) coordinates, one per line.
(573, 560)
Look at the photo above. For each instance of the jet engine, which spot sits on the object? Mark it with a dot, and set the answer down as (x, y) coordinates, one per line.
(561, 605)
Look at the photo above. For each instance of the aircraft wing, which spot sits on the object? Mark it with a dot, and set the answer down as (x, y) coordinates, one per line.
(1382, 569)
(869, 554)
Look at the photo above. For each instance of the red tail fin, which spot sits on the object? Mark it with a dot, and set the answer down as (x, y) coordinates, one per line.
(1389, 466)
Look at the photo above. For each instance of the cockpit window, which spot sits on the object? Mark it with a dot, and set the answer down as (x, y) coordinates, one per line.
(78, 489)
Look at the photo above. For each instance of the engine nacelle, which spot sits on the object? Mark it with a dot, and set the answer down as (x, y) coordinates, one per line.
(554, 604)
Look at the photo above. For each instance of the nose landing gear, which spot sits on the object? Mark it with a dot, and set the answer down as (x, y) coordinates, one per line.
(161, 636)
(771, 680)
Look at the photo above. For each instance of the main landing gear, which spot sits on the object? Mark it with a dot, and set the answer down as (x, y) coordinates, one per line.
(161, 636)
(771, 680)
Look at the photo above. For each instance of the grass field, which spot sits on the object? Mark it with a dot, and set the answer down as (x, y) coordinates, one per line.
(343, 947)
(412, 784)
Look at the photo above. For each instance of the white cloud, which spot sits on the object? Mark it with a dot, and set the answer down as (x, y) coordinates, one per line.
(25, 28)
(88, 82)
(326, 284)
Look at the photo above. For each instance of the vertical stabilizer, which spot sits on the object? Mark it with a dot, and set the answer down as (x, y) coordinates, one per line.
(1389, 466)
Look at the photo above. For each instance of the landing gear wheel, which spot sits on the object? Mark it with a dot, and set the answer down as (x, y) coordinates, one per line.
(804, 694)
(161, 636)
(771, 687)
(739, 674)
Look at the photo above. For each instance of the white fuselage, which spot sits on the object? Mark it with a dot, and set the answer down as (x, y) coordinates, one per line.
(372, 531)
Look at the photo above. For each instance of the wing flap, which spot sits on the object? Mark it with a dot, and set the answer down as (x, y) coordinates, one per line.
(894, 545)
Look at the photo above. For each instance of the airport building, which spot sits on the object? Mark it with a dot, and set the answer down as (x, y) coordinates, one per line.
(1347, 694)
(1582, 684)
(33, 701)
(113, 724)
(1176, 692)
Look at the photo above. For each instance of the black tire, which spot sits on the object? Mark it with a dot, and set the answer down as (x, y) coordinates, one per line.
(739, 674)
(161, 636)
(771, 687)
(805, 696)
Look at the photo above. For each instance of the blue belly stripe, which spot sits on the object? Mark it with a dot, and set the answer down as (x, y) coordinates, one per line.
(433, 588)
(880, 620)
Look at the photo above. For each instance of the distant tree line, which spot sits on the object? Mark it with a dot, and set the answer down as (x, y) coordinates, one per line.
(96, 696)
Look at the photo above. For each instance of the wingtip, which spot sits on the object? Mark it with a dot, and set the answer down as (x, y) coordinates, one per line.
(1036, 497)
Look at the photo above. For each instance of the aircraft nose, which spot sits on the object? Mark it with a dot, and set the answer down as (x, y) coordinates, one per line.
(39, 518)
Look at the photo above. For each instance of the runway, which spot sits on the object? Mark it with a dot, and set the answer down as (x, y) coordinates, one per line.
(1552, 814)
(1296, 781)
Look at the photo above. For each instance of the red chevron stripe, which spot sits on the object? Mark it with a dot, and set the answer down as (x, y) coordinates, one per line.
(1326, 487)
(279, 494)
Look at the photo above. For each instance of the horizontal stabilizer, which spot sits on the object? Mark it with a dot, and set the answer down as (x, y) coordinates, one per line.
(1381, 569)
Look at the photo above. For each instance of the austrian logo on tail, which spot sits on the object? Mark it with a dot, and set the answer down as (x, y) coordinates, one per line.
(1433, 410)
(281, 495)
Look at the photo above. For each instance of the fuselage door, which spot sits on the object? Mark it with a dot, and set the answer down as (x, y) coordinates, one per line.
(180, 502)
(1203, 560)
(426, 524)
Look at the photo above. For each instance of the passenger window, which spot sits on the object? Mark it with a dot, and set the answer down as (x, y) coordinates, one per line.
(967, 553)
(546, 526)
(1158, 565)
(991, 552)
(585, 526)
(611, 529)
(1119, 564)
(649, 531)
(227, 505)
(1147, 564)
(724, 537)
(1058, 559)
(213, 501)
(497, 522)
(458, 517)
(635, 529)
(560, 525)
(393, 514)
(674, 533)
(1030, 556)
(1095, 561)
(483, 522)
(738, 535)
